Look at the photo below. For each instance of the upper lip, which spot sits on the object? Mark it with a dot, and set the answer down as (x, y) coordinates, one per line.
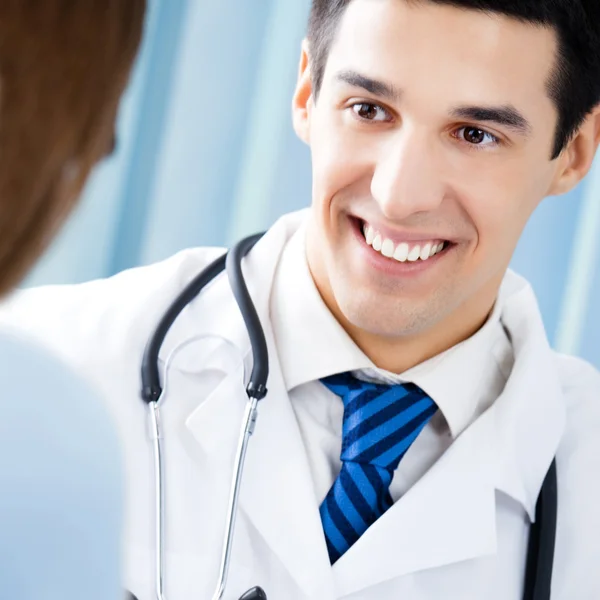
(400, 235)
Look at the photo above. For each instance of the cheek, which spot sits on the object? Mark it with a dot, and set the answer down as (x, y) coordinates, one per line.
(499, 217)
(338, 161)
(501, 197)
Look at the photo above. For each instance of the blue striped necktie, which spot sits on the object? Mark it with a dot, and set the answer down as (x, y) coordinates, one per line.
(380, 424)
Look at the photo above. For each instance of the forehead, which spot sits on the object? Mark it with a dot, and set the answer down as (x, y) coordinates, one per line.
(462, 55)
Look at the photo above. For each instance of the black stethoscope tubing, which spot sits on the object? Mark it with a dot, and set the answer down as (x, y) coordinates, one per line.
(542, 540)
(542, 536)
(232, 262)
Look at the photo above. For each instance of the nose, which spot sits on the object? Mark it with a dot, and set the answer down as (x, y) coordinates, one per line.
(407, 178)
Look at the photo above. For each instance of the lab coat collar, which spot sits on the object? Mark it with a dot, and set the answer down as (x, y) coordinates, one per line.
(458, 380)
(448, 516)
(530, 414)
(296, 299)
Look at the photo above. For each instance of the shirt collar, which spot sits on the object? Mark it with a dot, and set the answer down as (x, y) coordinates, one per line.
(311, 344)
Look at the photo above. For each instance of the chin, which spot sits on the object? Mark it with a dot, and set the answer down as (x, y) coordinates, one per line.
(388, 319)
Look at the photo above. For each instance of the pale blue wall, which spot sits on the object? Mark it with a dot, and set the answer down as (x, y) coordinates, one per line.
(206, 153)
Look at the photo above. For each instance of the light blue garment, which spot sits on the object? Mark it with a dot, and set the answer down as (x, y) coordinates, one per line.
(60, 482)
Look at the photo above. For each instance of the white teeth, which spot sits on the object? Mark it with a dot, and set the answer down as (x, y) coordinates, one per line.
(369, 233)
(414, 254)
(401, 253)
(387, 248)
(435, 248)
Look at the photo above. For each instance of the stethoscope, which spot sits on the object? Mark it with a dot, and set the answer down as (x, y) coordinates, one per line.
(540, 551)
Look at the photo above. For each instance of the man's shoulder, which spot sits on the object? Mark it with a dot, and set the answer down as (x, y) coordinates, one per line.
(70, 317)
(580, 383)
(579, 379)
(145, 280)
(129, 285)
(578, 466)
(579, 450)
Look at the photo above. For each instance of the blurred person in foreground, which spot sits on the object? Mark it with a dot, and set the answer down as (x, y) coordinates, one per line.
(63, 67)
(415, 404)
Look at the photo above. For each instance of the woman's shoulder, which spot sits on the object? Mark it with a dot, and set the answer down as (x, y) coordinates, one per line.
(61, 479)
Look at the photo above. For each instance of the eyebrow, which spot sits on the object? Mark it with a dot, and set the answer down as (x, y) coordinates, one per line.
(506, 115)
(373, 86)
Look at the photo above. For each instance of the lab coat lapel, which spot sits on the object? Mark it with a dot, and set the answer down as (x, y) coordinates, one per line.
(277, 492)
(530, 414)
(283, 504)
(446, 517)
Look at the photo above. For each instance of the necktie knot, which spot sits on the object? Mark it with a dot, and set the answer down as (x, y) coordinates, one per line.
(380, 421)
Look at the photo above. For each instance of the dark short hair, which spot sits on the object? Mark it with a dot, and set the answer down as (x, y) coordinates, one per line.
(574, 86)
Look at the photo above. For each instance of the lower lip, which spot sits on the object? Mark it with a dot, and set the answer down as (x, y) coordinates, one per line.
(390, 266)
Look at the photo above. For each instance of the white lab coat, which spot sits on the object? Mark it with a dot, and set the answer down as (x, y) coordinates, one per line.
(458, 534)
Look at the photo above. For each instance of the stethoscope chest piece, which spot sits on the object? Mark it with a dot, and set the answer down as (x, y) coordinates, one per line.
(256, 593)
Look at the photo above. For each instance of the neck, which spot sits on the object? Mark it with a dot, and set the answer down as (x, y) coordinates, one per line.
(398, 354)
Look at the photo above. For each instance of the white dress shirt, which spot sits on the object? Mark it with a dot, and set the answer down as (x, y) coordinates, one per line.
(463, 381)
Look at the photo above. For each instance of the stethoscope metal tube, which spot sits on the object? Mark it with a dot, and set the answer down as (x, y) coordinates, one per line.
(256, 390)
(248, 424)
(159, 501)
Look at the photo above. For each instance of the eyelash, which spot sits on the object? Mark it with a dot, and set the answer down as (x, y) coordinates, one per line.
(496, 141)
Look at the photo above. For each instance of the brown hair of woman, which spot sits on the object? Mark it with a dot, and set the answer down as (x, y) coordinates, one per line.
(63, 67)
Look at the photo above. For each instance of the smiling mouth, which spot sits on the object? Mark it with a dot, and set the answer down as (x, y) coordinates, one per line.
(402, 251)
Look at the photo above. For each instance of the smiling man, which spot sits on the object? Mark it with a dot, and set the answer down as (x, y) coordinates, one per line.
(415, 406)
(435, 132)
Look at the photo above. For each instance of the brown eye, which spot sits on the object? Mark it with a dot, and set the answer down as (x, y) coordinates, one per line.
(478, 137)
(474, 136)
(370, 112)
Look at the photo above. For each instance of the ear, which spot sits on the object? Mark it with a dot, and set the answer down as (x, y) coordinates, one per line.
(577, 158)
(303, 98)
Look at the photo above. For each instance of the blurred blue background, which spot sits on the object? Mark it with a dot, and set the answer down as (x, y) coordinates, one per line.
(206, 153)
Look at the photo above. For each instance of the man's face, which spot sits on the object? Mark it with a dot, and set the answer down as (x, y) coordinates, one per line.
(432, 132)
